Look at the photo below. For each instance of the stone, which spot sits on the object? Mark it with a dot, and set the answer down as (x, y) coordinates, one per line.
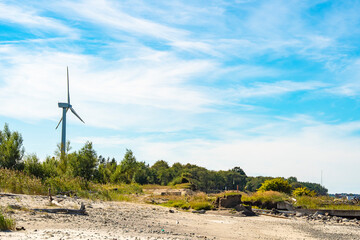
(245, 210)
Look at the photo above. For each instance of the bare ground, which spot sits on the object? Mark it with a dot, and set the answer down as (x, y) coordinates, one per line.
(122, 220)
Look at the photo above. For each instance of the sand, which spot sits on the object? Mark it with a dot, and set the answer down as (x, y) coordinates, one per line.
(123, 220)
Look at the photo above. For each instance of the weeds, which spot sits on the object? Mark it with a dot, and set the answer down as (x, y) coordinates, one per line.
(6, 223)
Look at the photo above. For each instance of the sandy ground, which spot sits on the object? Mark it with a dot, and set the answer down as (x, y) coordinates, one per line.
(121, 220)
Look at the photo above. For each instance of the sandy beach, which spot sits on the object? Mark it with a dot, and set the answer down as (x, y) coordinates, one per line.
(123, 220)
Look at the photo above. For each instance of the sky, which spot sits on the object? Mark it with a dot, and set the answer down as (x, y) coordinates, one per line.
(270, 86)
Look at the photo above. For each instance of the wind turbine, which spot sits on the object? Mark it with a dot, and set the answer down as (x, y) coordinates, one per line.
(65, 107)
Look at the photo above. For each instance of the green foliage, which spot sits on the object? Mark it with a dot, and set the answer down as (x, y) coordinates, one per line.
(182, 204)
(265, 197)
(6, 223)
(320, 190)
(67, 183)
(201, 205)
(11, 149)
(163, 172)
(254, 183)
(105, 169)
(32, 166)
(276, 184)
(303, 191)
(50, 167)
(84, 162)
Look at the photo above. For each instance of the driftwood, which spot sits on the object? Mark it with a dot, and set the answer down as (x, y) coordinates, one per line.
(81, 211)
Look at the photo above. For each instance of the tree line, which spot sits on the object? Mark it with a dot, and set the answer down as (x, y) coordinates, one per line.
(87, 164)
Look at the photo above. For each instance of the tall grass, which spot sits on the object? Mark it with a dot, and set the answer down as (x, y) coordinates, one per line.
(6, 223)
(18, 182)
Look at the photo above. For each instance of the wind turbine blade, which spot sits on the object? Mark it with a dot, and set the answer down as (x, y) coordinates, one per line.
(73, 111)
(68, 92)
(58, 123)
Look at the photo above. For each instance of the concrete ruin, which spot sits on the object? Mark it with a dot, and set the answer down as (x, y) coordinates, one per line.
(230, 201)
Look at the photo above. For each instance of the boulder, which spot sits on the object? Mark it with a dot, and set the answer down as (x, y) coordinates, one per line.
(244, 210)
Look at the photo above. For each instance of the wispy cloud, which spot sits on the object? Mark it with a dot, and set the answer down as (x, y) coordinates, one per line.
(32, 20)
(275, 88)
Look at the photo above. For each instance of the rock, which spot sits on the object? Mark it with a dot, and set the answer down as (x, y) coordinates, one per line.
(199, 211)
(171, 211)
(245, 210)
(300, 214)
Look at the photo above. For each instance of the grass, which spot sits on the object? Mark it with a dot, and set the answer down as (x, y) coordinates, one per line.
(323, 202)
(6, 223)
(199, 201)
(18, 182)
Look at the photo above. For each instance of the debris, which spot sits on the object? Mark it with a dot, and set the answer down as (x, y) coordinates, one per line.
(20, 228)
(202, 211)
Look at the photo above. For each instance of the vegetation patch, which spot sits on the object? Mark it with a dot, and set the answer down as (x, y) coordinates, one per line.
(6, 223)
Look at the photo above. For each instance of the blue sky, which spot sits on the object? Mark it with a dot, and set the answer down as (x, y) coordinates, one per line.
(270, 86)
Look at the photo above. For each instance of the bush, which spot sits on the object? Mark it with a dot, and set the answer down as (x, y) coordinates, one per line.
(303, 191)
(276, 184)
(32, 166)
(6, 223)
(268, 196)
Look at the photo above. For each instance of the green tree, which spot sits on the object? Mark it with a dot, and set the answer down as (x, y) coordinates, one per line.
(32, 166)
(254, 183)
(125, 171)
(162, 171)
(276, 184)
(84, 162)
(50, 167)
(11, 149)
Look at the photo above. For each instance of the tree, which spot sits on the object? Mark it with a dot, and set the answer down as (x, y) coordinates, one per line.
(125, 171)
(238, 170)
(11, 149)
(32, 166)
(50, 167)
(276, 184)
(162, 171)
(84, 162)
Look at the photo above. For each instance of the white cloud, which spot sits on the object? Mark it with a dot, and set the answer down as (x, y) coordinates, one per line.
(31, 19)
(303, 153)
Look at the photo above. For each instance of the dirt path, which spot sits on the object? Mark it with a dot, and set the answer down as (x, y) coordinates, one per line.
(121, 220)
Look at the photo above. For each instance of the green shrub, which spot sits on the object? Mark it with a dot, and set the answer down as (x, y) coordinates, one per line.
(276, 184)
(6, 223)
(268, 196)
(303, 191)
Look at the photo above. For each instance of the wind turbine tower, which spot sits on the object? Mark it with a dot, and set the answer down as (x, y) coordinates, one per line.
(65, 107)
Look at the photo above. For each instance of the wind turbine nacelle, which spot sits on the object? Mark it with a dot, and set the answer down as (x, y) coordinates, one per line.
(64, 105)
